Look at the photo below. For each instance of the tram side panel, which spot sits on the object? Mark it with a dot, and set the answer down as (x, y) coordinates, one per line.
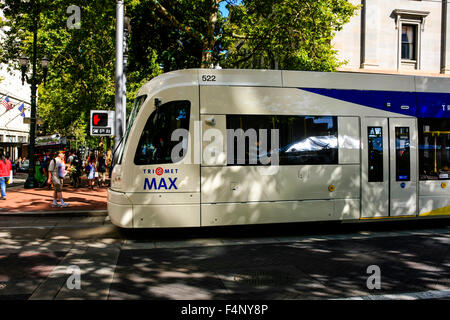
(246, 194)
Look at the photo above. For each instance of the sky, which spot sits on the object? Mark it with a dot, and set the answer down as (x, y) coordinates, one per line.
(222, 9)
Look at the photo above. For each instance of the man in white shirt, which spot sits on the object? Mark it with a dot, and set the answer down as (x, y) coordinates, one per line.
(57, 171)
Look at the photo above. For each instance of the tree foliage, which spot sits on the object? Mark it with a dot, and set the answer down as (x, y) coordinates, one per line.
(166, 35)
(287, 34)
(185, 33)
(82, 60)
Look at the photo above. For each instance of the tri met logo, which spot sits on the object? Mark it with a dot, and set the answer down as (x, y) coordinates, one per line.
(160, 183)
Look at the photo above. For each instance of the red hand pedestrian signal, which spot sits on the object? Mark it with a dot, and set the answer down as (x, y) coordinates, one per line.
(100, 119)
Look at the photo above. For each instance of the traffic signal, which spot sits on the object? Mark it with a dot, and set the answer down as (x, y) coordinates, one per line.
(99, 119)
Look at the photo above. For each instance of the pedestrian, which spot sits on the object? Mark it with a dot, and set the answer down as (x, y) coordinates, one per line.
(71, 156)
(77, 168)
(91, 169)
(57, 171)
(5, 171)
(109, 162)
(18, 163)
(44, 168)
(101, 169)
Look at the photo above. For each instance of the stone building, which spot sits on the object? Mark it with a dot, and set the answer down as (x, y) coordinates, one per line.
(397, 36)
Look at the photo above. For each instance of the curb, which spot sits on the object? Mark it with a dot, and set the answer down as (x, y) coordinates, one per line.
(72, 213)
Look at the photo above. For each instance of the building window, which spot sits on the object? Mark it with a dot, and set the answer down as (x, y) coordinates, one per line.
(410, 25)
(409, 42)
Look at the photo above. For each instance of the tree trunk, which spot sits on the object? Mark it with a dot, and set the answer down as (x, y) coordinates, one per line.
(209, 41)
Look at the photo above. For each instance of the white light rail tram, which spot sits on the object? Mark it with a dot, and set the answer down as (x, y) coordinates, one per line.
(236, 147)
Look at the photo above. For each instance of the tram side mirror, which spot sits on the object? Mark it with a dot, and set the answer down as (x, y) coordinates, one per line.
(158, 103)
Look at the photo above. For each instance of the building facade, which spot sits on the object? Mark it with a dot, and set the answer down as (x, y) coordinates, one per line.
(397, 36)
(14, 132)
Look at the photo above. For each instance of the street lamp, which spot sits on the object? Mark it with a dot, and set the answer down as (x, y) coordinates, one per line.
(24, 66)
(34, 82)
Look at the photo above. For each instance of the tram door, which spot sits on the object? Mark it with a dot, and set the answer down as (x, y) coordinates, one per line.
(403, 166)
(389, 162)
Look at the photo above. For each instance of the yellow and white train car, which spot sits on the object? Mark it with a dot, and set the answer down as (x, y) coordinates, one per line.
(348, 147)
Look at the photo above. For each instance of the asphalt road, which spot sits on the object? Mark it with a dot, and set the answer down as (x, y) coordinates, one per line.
(47, 258)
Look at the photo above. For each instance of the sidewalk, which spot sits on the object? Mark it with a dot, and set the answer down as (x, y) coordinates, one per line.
(39, 201)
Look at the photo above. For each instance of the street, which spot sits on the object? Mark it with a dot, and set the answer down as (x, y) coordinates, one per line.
(86, 257)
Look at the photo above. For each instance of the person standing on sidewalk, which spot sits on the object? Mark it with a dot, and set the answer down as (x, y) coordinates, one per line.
(77, 168)
(17, 164)
(101, 169)
(5, 169)
(57, 171)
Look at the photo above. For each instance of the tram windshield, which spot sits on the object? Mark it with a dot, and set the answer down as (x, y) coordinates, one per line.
(138, 102)
(156, 145)
(434, 149)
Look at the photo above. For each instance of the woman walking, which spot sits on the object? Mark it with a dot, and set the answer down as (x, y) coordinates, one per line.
(5, 169)
(92, 169)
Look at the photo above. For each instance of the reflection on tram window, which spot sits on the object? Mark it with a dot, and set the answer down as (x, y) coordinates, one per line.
(155, 145)
(402, 154)
(375, 149)
(434, 149)
(138, 102)
(302, 139)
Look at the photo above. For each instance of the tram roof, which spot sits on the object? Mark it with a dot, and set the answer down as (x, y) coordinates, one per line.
(297, 79)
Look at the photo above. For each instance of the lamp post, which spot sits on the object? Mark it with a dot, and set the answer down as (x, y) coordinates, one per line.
(34, 82)
(123, 28)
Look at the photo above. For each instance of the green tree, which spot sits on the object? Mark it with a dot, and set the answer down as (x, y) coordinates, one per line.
(185, 33)
(82, 60)
(288, 34)
(166, 35)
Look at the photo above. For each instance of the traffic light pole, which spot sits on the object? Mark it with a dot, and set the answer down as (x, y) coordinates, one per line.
(120, 102)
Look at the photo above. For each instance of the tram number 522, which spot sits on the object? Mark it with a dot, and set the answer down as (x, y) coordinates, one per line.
(208, 77)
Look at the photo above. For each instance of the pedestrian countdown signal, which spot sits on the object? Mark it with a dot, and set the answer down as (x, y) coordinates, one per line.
(102, 123)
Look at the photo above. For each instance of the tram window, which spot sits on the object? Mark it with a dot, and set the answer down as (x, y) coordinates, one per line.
(302, 139)
(402, 154)
(434, 149)
(155, 145)
(138, 102)
(375, 149)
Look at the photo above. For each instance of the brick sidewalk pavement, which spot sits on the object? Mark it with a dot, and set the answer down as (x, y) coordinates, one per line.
(20, 200)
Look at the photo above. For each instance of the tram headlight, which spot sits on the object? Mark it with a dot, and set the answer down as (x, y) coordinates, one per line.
(116, 180)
